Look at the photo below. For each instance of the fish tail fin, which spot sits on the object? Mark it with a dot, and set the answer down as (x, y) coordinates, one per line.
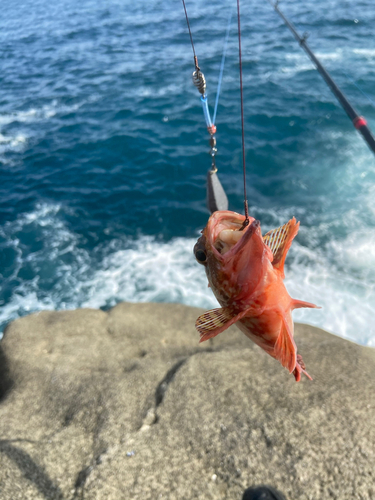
(297, 304)
(300, 368)
(280, 240)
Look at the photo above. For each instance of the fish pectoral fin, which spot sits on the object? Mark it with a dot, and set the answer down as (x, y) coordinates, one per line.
(285, 347)
(215, 321)
(297, 304)
(279, 240)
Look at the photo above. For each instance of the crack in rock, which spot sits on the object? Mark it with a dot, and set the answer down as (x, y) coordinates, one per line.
(151, 416)
(83, 474)
(162, 387)
(99, 449)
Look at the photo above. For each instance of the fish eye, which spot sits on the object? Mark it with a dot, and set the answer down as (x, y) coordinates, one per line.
(200, 250)
(201, 256)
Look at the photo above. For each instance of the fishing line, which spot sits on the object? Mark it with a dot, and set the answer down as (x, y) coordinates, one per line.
(246, 221)
(359, 88)
(191, 36)
(222, 65)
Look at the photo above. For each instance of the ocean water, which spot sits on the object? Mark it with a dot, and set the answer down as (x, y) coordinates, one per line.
(104, 151)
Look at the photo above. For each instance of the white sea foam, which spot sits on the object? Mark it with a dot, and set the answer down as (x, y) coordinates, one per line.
(330, 56)
(150, 271)
(129, 270)
(12, 143)
(370, 53)
(17, 140)
(290, 71)
(37, 114)
(346, 300)
(299, 62)
(324, 56)
(334, 277)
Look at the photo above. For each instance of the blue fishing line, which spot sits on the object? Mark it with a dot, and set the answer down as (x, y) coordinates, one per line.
(222, 65)
(206, 111)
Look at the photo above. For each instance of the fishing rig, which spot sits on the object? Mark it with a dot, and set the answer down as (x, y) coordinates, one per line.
(216, 197)
(358, 121)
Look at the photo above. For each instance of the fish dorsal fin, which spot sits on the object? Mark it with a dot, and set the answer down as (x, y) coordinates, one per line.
(215, 321)
(279, 241)
(285, 347)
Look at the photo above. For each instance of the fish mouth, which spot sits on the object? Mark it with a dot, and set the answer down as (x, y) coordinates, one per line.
(226, 235)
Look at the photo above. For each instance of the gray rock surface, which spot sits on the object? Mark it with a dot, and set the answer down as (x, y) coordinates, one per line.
(127, 405)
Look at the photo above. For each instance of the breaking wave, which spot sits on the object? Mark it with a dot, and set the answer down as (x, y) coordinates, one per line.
(67, 276)
(18, 127)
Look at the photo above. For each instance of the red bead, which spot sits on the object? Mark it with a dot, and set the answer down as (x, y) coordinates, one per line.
(359, 122)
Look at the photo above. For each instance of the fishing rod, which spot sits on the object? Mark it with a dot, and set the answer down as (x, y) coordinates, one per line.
(358, 121)
(216, 197)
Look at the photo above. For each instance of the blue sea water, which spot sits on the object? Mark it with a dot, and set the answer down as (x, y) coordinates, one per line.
(104, 151)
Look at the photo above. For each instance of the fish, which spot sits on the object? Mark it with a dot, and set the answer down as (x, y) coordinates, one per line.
(245, 271)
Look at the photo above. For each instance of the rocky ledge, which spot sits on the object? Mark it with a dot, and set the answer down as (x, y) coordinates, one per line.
(127, 405)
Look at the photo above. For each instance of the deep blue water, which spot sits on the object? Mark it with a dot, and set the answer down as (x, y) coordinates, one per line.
(104, 152)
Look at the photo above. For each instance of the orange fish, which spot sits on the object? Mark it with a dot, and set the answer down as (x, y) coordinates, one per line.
(246, 273)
